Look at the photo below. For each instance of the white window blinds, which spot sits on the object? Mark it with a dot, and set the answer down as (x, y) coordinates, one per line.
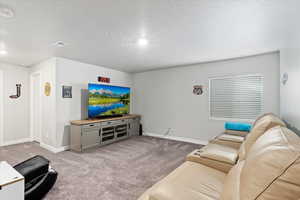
(238, 97)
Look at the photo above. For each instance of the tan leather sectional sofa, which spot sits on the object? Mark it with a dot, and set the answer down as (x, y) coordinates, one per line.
(266, 167)
(222, 155)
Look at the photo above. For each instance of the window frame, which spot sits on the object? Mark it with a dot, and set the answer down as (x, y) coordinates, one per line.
(232, 76)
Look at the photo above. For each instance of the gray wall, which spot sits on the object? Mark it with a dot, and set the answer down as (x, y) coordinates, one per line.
(165, 100)
(47, 71)
(15, 111)
(290, 92)
(290, 63)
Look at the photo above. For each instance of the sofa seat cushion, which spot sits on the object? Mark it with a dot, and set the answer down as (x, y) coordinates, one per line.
(219, 152)
(216, 164)
(191, 181)
(232, 138)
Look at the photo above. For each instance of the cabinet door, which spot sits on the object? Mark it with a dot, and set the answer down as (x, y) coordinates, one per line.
(130, 127)
(90, 139)
(134, 126)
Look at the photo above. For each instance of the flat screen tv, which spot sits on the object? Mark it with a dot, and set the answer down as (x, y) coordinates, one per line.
(107, 100)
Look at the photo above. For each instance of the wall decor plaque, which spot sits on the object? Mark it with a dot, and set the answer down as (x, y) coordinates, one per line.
(18, 94)
(66, 91)
(47, 89)
(198, 89)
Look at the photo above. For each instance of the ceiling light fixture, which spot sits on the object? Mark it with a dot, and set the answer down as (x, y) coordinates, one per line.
(143, 42)
(2, 49)
(3, 52)
(6, 11)
(59, 44)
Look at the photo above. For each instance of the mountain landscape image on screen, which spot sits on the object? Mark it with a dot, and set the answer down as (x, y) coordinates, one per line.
(106, 100)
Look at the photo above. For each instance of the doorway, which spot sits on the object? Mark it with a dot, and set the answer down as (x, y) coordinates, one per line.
(35, 80)
(1, 109)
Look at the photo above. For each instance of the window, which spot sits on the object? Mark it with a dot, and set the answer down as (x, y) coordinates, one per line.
(237, 97)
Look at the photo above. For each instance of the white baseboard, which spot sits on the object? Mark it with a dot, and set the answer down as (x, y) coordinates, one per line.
(46, 146)
(64, 148)
(54, 149)
(177, 138)
(20, 141)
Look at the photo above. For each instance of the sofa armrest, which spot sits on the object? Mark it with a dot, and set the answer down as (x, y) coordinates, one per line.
(215, 156)
(231, 138)
(237, 133)
(220, 153)
(232, 141)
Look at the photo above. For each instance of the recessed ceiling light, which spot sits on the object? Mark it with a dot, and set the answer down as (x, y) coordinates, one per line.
(143, 42)
(6, 11)
(3, 52)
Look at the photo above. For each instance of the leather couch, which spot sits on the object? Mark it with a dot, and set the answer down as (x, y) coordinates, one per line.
(270, 170)
(223, 156)
(245, 133)
(261, 125)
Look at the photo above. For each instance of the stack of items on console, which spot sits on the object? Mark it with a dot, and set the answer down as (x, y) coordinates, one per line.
(265, 165)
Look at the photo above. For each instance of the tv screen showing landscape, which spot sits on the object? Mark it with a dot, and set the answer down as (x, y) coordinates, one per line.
(107, 100)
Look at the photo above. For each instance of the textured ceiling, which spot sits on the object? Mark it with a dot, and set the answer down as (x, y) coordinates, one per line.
(105, 32)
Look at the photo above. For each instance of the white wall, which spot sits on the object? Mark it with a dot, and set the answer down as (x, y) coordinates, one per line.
(15, 111)
(47, 71)
(57, 112)
(290, 63)
(290, 93)
(78, 75)
(165, 100)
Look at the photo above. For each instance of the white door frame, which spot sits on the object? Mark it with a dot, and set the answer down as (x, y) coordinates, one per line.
(32, 107)
(1, 108)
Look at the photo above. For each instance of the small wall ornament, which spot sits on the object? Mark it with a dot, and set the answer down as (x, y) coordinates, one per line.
(198, 89)
(66, 91)
(285, 78)
(103, 79)
(47, 89)
(18, 92)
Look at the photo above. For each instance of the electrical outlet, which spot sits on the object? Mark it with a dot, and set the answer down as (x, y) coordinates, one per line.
(168, 132)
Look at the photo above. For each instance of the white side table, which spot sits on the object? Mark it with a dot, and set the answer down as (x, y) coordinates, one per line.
(11, 183)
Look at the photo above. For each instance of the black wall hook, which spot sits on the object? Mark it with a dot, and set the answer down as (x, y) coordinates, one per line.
(18, 92)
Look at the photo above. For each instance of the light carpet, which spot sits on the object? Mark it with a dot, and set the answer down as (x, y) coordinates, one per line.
(120, 171)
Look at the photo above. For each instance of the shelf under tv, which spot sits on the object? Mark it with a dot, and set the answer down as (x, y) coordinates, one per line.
(98, 132)
(97, 120)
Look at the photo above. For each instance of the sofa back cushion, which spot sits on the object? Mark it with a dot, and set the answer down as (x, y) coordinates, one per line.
(271, 169)
(261, 116)
(261, 126)
(231, 189)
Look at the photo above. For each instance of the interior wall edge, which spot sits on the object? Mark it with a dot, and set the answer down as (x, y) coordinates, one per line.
(273, 51)
(1, 109)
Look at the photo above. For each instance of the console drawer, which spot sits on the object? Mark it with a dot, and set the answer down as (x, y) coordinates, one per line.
(90, 127)
(115, 122)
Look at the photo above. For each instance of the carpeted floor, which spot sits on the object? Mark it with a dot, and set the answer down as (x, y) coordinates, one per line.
(120, 171)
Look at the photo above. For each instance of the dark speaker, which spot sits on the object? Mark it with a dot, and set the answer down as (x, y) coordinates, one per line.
(141, 129)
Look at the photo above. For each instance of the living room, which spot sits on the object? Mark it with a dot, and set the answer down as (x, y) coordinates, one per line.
(189, 68)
